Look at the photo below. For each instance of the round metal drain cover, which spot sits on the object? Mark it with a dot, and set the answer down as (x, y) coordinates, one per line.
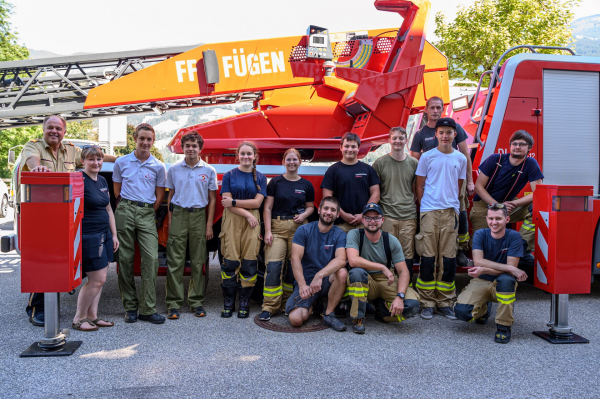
(280, 323)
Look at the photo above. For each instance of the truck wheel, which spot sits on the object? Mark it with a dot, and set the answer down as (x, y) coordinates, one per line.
(4, 206)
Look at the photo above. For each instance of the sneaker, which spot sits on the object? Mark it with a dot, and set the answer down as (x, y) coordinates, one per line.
(427, 313)
(173, 314)
(483, 319)
(461, 259)
(37, 319)
(154, 318)
(447, 312)
(331, 321)
(264, 316)
(199, 311)
(502, 334)
(131, 316)
(358, 326)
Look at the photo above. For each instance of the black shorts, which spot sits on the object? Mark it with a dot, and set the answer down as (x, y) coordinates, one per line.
(296, 301)
(96, 251)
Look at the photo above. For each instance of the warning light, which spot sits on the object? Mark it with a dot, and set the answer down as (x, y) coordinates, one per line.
(598, 265)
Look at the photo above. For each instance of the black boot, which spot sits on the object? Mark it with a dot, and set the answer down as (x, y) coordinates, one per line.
(245, 294)
(410, 266)
(229, 294)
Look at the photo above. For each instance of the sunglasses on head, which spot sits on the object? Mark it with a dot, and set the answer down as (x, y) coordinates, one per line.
(496, 206)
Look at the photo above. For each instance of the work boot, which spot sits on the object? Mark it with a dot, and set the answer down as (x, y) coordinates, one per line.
(331, 321)
(131, 316)
(502, 334)
(153, 318)
(483, 319)
(357, 326)
(228, 301)
(264, 316)
(461, 259)
(447, 311)
(37, 319)
(173, 314)
(245, 294)
(427, 313)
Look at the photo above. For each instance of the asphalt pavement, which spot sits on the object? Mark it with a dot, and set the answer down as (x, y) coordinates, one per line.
(234, 358)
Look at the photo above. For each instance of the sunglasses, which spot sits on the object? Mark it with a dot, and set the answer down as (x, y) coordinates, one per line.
(85, 147)
(496, 206)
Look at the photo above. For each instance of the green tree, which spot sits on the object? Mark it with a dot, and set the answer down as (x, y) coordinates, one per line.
(131, 145)
(82, 130)
(10, 50)
(482, 32)
(10, 138)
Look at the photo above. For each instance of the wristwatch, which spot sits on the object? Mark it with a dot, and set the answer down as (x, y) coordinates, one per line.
(233, 202)
(400, 295)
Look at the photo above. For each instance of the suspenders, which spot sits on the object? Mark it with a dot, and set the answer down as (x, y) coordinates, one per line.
(499, 165)
(386, 246)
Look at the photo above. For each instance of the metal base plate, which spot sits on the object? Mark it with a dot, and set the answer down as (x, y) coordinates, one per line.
(66, 350)
(574, 339)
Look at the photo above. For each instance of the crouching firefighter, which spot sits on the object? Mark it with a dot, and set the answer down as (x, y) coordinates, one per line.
(373, 254)
(496, 254)
(243, 191)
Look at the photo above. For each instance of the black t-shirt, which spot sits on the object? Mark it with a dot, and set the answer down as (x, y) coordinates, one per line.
(96, 198)
(351, 185)
(290, 197)
(506, 174)
(425, 139)
(498, 250)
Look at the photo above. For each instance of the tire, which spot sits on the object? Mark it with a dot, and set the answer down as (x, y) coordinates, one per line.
(4, 206)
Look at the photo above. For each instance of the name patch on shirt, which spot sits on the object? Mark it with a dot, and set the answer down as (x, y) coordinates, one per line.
(104, 190)
(430, 138)
(203, 177)
(148, 176)
(360, 175)
(328, 246)
(298, 191)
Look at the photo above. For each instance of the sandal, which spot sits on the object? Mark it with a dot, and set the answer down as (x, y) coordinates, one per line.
(77, 326)
(110, 323)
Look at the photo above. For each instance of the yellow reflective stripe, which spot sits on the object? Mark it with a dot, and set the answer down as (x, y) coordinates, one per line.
(463, 237)
(506, 301)
(271, 294)
(505, 296)
(288, 287)
(358, 288)
(225, 276)
(273, 289)
(528, 226)
(248, 279)
(442, 286)
(425, 285)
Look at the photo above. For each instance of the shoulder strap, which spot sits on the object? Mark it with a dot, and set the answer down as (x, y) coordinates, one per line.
(519, 173)
(361, 233)
(386, 247)
(498, 165)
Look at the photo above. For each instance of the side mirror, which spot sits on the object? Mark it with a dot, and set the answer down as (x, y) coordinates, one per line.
(11, 157)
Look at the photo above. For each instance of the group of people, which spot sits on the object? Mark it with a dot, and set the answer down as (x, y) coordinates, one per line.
(372, 223)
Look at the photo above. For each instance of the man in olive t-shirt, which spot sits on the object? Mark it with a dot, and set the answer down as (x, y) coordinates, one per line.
(396, 172)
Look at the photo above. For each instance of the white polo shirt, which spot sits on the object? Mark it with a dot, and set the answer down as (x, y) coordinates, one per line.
(442, 172)
(139, 179)
(191, 185)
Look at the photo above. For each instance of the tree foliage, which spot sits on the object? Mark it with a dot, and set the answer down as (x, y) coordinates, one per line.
(10, 49)
(131, 145)
(83, 130)
(482, 32)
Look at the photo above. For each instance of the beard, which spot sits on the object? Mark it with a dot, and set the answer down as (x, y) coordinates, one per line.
(326, 222)
(518, 156)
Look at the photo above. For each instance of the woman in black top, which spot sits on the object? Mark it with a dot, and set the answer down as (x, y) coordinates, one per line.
(290, 201)
(99, 241)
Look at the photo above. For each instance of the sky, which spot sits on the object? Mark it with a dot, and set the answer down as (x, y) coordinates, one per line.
(70, 26)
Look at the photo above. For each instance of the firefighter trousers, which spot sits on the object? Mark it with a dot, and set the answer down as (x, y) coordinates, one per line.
(279, 279)
(519, 214)
(136, 223)
(364, 287)
(463, 220)
(436, 243)
(472, 301)
(186, 227)
(240, 244)
(346, 227)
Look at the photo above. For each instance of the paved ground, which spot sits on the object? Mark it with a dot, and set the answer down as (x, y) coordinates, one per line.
(214, 357)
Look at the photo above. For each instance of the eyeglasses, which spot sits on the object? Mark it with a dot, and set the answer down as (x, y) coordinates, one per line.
(515, 144)
(372, 219)
(496, 206)
(85, 147)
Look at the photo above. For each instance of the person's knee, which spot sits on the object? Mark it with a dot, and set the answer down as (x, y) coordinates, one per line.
(463, 311)
(297, 317)
(358, 275)
(506, 283)
(411, 308)
(341, 275)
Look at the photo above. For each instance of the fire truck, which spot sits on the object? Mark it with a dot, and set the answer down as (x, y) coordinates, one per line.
(308, 90)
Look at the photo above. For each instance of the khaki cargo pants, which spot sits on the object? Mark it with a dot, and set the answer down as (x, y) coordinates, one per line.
(472, 301)
(346, 227)
(240, 244)
(365, 287)
(186, 227)
(279, 279)
(519, 214)
(436, 244)
(133, 224)
(404, 231)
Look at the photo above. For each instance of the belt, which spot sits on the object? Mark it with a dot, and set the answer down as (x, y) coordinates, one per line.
(138, 203)
(285, 217)
(187, 209)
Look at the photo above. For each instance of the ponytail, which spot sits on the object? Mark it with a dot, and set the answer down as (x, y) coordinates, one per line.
(254, 175)
(255, 149)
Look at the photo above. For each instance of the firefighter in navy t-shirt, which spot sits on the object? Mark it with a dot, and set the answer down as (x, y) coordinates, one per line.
(496, 254)
(290, 201)
(353, 183)
(501, 178)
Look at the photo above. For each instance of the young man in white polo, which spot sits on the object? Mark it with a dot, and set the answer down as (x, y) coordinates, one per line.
(440, 176)
(192, 185)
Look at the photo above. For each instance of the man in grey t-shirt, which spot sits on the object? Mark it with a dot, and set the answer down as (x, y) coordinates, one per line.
(371, 276)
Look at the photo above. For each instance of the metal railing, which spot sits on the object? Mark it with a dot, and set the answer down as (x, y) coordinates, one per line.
(494, 79)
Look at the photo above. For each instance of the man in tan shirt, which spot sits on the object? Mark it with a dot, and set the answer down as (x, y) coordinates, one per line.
(48, 154)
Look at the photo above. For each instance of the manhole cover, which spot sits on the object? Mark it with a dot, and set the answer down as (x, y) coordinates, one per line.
(280, 323)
